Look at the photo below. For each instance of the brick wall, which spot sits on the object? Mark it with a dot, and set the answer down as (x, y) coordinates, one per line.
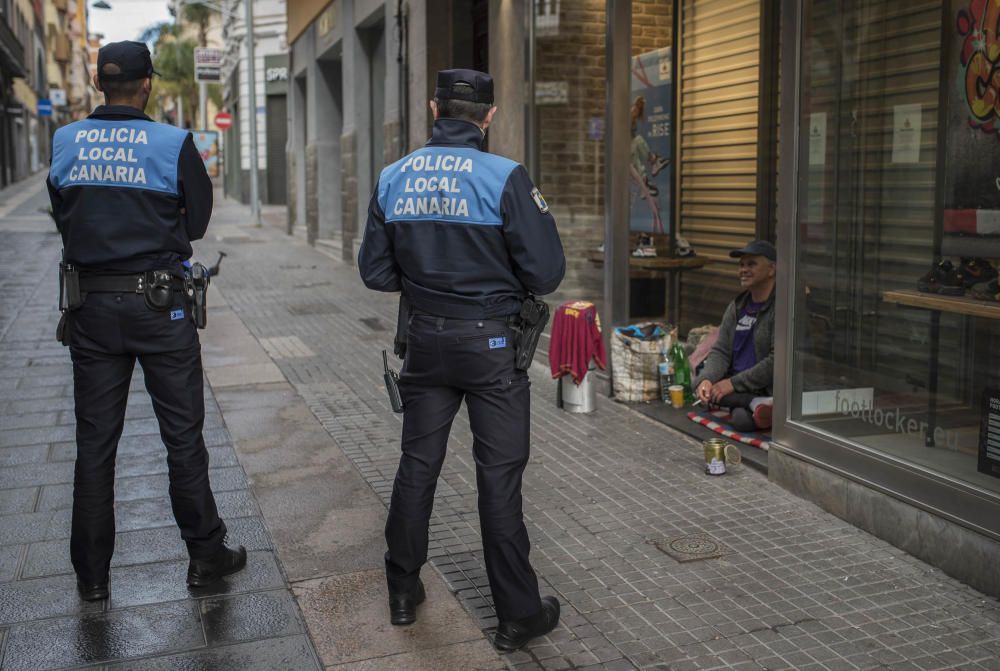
(571, 163)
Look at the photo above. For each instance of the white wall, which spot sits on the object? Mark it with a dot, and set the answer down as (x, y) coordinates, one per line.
(269, 27)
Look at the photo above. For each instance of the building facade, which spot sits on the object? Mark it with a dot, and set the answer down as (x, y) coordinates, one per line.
(13, 67)
(812, 124)
(271, 118)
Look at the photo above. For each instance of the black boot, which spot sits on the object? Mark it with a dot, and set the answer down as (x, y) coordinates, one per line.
(204, 572)
(97, 591)
(513, 634)
(403, 605)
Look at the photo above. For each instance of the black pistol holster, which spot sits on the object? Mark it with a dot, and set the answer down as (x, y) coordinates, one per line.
(533, 317)
(70, 297)
(402, 322)
(392, 385)
(196, 283)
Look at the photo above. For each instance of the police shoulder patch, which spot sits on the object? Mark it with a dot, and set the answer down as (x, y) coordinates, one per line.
(536, 196)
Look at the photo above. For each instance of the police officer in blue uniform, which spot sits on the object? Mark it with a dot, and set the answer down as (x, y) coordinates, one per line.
(466, 237)
(129, 195)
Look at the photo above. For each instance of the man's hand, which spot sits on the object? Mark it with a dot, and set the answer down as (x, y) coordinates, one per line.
(704, 391)
(721, 389)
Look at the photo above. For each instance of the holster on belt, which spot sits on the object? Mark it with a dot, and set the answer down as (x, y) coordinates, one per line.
(196, 287)
(158, 290)
(402, 321)
(70, 298)
(69, 287)
(533, 317)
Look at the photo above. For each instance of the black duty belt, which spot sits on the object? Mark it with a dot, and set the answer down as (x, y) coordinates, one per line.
(510, 320)
(121, 283)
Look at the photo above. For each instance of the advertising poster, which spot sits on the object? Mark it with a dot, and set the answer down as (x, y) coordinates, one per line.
(989, 433)
(651, 149)
(207, 144)
(972, 148)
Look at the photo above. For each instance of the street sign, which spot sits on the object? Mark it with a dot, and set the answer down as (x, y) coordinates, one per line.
(223, 120)
(58, 97)
(207, 64)
(44, 107)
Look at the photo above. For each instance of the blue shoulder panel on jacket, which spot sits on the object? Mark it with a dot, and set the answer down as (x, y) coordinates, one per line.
(451, 184)
(132, 153)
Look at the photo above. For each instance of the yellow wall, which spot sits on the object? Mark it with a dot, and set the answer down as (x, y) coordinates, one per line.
(22, 87)
(300, 14)
(54, 26)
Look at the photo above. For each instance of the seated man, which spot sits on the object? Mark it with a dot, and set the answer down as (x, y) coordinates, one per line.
(739, 371)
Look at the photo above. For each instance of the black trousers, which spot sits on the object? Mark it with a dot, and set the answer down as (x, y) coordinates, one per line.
(738, 399)
(446, 361)
(108, 334)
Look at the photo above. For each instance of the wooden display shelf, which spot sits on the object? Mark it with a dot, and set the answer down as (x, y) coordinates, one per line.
(655, 264)
(962, 305)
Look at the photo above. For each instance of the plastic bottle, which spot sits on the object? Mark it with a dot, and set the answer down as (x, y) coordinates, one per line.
(682, 372)
(666, 369)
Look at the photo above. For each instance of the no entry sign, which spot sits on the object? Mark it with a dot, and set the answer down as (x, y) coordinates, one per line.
(223, 120)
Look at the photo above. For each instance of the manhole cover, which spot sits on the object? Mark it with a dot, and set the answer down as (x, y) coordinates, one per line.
(691, 547)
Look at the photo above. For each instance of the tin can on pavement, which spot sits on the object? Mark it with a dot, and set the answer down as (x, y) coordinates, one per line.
(715, 456)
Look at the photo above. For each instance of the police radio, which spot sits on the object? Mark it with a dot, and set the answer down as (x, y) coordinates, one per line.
(392, 385)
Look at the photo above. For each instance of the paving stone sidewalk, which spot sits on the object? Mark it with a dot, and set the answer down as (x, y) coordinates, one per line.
(151, 621)
(794, 587)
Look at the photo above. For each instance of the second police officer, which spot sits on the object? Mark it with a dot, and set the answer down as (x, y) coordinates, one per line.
(466, 237)
(129, 195)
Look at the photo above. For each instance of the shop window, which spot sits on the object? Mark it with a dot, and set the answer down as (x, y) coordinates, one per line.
(570, 98)
(891, 351)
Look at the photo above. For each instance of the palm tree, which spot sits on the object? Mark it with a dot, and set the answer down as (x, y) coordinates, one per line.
(201, 15)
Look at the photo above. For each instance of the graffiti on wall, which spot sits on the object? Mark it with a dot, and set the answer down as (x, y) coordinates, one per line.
(980, 58)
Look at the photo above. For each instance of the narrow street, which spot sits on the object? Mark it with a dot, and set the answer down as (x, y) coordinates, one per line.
(303, 450)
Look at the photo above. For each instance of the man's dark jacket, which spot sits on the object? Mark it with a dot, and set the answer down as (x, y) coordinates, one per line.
(759, 378)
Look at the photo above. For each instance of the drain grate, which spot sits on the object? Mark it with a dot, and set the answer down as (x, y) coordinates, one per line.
(692, 547)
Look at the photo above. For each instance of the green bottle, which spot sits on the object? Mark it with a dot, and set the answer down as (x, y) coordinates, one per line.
(682, 372)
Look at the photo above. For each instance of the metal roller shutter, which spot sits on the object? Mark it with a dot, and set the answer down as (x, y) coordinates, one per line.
(718, 71)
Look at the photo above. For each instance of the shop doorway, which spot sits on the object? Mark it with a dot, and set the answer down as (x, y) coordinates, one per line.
(277, 138)
(329, 127)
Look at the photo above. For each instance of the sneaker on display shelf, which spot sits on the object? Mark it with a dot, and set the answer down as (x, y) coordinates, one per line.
(987, 291)
(942, 279)
(976, 271)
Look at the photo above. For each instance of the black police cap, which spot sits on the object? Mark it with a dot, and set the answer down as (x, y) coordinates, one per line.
(131, 61)
(470, 85)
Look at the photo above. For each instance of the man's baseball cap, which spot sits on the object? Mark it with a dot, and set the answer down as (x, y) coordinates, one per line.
(470, 85)
(756, 248)
(131, 60)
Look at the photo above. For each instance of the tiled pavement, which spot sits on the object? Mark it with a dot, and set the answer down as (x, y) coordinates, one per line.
(151, 621)
(796, 588)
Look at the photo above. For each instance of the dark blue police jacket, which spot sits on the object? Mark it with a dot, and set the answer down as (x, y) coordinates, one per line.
(463, 233)
(128, 194)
